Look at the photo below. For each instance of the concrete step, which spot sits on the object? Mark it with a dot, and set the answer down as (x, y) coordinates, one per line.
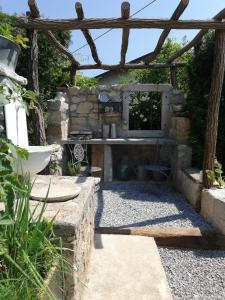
(126, 268)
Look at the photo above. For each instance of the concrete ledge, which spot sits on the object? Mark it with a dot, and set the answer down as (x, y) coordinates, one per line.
(213, 208)
(189, 184)
(126, 267)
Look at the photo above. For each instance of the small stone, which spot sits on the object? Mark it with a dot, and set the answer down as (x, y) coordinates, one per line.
(92, 98)
(84, 107)
(73, 90)
(73, 107)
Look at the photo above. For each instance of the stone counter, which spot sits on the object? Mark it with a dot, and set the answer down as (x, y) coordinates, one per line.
(75, 224)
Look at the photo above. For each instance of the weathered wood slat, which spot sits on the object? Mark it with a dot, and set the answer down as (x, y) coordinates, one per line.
(125, 14)
(196, 39)
(75, 24)
(214, 106)
(175, 16)
(52, 39)
(190, 238)
(34, 11)
(86, 33)
(130, 66)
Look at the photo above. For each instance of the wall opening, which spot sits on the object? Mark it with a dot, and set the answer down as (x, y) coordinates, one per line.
(145, 111)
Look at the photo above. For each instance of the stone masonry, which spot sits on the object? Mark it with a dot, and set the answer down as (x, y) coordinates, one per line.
(79, 109)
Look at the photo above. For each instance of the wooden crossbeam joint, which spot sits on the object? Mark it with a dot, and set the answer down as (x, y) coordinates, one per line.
(175, 16)
(86, 33)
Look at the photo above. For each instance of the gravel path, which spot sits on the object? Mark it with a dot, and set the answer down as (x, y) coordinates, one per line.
(132, 204)
(197, 274)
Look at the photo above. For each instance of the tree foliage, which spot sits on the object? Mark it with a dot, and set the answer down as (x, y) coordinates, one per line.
(163, 75)
(199, 82)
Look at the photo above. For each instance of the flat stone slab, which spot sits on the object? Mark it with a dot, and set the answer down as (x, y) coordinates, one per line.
(56, 189)
(126, 267)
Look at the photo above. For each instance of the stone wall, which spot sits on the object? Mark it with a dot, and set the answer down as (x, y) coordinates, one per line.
(87, 113)
(213, 207)
(79, 109)
(74, 223)
(190, 185)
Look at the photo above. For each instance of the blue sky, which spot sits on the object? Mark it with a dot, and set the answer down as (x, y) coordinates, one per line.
(141, 41)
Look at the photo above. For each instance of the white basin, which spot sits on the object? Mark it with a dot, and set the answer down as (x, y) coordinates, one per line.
(39, 157)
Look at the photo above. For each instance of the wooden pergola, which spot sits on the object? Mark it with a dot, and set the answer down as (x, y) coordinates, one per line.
(33, 23)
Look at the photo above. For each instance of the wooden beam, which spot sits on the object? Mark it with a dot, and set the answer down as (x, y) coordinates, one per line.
(213, 106)
(130, 66)
(52, 39)
(86, 33)
(34, 11)
(173, 77)
(190, 238)
(196, 39)
(75, 24)
(175, 16)
(125, 14)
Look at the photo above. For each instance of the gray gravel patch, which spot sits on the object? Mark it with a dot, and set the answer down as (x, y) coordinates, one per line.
(133, 204)
(195, 274)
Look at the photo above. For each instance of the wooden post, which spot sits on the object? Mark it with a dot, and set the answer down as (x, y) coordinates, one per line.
(33, 84)
(173, 77)
(73, 73)
(213, 106)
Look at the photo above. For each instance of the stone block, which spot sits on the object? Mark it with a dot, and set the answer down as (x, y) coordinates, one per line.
(189, 187)
(76, 99)
(72, 91)
(85, 107)
(73, 107)
(92, 98)
(56, 117)
(180, 128)
(54, 105)
(213, 207)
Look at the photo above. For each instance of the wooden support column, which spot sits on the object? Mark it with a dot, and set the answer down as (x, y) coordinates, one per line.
(125, 14)
(213, 106)
(173, 77)
(33, 84)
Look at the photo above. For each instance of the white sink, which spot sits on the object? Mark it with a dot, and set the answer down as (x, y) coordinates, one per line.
(39, 157)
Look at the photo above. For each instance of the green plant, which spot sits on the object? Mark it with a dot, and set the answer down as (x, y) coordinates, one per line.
(216, 176)
(74, 169)
(28, 246)
(12, 91)
(8, 30)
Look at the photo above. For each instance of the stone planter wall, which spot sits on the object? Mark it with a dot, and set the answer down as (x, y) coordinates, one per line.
(213, 207)
(74, 223)
(189, 184)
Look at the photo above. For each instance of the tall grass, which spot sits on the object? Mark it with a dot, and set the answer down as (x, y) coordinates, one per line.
(28, 246)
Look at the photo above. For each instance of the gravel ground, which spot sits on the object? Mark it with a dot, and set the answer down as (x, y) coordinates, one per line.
(196, 274)
(133, 204)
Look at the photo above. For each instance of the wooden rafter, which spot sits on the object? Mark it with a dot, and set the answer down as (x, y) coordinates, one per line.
(125, 14)
(35, 13)
(53, 40)
(75, 24)
(131, 66)
(86, 33)
(196, 39)
(177, 13)
(35, 22)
